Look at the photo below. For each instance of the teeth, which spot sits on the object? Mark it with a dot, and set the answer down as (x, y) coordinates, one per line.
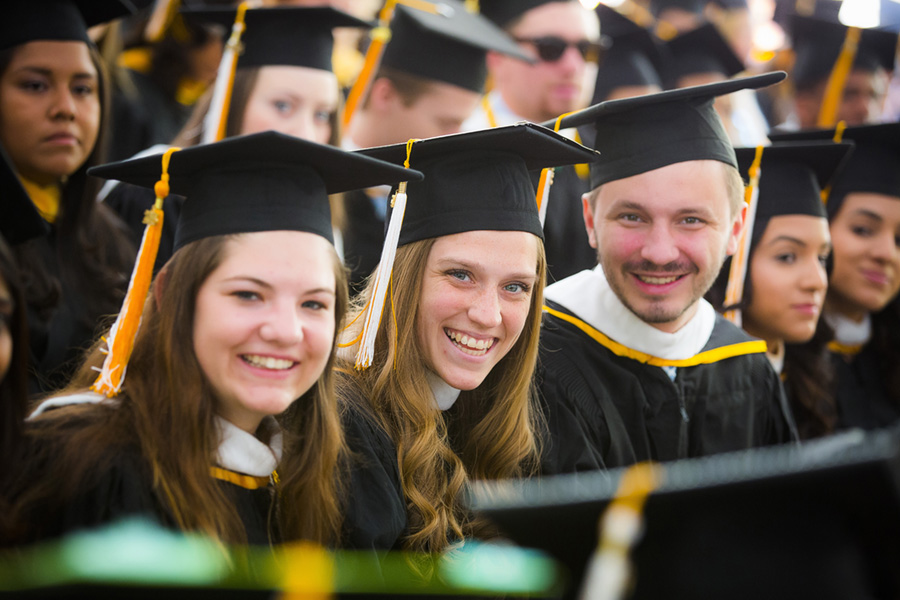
(657, 280)
(268, 362)
(470, 342)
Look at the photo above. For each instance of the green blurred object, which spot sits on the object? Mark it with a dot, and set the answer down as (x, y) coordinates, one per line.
(137, 558)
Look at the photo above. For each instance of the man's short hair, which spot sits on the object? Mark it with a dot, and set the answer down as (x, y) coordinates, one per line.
(409, 87)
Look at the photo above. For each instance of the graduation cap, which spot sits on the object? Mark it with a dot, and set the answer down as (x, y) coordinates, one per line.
(635, 57)
(294, 36)
(262, 182)
(478, 180)
(19, 219)
(874, 165)
(636, 135)
(793, 176)
(703, 50)
(503, 12)
(821, 520)
(448, 44)
(817, 45)
(56, 20)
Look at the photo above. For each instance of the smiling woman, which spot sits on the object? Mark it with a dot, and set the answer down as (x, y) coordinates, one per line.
(53, 105)
(232, 336)
(448, 394)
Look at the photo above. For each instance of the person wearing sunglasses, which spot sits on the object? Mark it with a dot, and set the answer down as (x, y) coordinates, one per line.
(564, 39)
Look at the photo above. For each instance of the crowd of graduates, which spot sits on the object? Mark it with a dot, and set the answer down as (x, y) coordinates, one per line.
(272, 272)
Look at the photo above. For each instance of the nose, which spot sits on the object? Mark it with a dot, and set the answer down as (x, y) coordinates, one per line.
(63, 106)
(303, 126)
(884, 249)
(282, 325)
(485, 310)
(814, 277)
(659, 246)
(571, 60)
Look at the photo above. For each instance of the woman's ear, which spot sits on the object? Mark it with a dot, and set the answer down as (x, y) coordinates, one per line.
(159, 285)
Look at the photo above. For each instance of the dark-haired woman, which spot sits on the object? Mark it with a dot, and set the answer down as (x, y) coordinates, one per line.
(53, 108)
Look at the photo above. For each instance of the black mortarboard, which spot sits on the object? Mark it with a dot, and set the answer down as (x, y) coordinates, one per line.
(19, 219)
(817, 44)
(691, 6)
(56, 20)
(703, 50)
(503, 12)
(635, 57)
(449, 44)
(479, 179)
(262, 182)
(636, 135)
(296, 36)
(820, 520)
(873, 167)
(792, 176)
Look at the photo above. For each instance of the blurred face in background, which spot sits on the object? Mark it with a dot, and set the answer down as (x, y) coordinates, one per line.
(49, 109)
(298, 101)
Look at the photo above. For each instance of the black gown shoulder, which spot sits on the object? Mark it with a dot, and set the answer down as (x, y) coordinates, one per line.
(374, 502)
(862, 400)
(605, 411)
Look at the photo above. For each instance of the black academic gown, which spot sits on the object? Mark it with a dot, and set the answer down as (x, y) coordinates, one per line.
(58, 336)
(374, 503)
(862, 400)
(605, 411)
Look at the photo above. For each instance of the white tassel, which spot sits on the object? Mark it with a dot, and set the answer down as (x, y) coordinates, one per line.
(221, 89)
(366, 349)
(545, 195)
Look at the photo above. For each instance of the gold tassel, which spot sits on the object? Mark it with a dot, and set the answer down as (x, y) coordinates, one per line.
(834, 90)
(838, 136)
(610, 570)
(161, 19)
(380, 36)
(120, 341)
(734, 292)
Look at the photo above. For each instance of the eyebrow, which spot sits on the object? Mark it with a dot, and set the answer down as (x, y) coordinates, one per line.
(49, 72)
(862, 212)
(268, 286)
(787, 238)
(455, 262)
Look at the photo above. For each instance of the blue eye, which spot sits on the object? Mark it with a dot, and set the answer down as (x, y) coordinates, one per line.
(517, 287)
(459, 275)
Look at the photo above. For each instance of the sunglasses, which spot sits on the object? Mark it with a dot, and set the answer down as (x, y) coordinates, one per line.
(551, 48)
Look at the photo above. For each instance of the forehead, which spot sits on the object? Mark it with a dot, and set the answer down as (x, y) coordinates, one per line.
(674, 188)
(488, 249)
(277, 254)
(54, 55)
(565, 19)
(809, 229)
(887, 208)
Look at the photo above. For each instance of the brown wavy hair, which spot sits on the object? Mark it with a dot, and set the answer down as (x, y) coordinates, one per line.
(167, 414)
(493, 434)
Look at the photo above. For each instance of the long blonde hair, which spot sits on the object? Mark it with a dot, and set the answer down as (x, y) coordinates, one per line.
(493, 435)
